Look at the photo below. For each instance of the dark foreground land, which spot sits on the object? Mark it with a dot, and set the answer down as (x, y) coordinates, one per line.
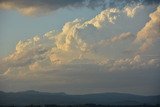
(84, 105)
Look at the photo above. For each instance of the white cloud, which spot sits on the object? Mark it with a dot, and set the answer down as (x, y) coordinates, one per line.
(84, 49)
(77, 38)
(81, 34)
(150, 33)
(109, 14)
(131, 10)
(117, 38)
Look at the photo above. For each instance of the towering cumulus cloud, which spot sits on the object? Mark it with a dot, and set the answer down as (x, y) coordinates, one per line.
(151, 32)
(114, 51)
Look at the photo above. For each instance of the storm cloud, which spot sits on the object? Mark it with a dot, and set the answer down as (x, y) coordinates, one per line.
(35, 7)
(40, 7)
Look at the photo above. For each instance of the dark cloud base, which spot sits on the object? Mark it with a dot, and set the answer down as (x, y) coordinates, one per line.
(52, 5)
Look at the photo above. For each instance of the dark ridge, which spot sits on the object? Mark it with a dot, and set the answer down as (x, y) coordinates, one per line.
(42, 98)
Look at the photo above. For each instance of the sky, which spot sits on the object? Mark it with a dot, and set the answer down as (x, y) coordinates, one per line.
(80, 46)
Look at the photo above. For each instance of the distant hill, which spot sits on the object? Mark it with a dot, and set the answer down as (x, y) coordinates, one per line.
(35, 97)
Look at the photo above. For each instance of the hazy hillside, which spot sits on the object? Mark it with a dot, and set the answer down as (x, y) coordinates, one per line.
(35, 97)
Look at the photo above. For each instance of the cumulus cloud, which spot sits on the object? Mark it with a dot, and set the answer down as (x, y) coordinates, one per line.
(65, 38)
(54, 48)
(151, 31)
(131, 10)
(118, 38)
(77, 34)
(78, 41)
(27, 54)
(27, 47)
(88, 52)
(108, 14)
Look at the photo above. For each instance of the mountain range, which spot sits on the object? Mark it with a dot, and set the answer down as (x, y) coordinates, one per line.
(41, 98)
